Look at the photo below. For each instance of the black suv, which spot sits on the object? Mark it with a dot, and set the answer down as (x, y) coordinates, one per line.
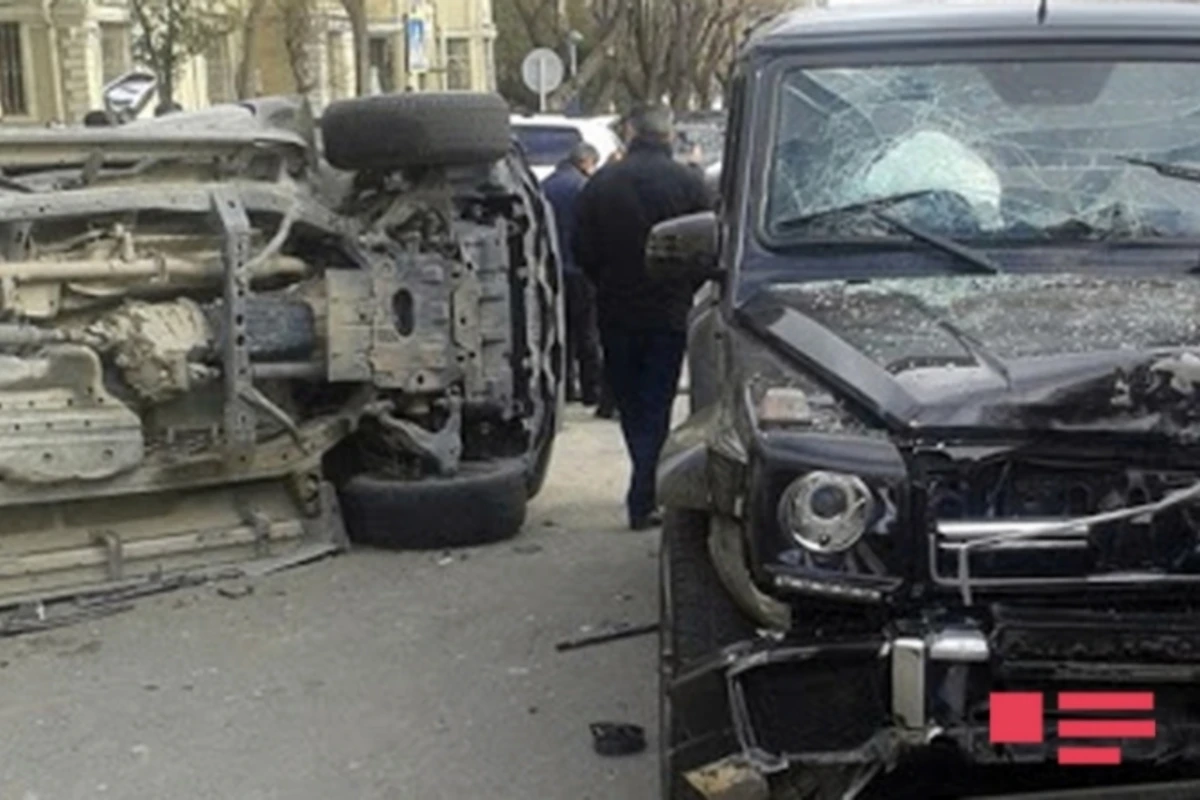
(945, 428)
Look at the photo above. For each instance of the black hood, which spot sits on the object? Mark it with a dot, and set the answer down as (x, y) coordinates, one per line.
(1063, 352)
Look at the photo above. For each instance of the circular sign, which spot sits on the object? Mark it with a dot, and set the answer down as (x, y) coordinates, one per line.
(542, 70)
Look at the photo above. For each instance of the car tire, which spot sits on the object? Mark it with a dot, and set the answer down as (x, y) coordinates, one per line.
(543, 454)
(484, 503)
(544, 302)
(437, 129)
(697, 617)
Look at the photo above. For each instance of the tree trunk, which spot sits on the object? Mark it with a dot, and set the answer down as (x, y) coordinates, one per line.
(249, 50)
(166, 86)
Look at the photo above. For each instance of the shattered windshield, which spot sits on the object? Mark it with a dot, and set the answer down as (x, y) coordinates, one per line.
(1040, 151)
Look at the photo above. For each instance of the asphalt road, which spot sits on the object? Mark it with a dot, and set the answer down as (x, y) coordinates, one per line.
(407, 676)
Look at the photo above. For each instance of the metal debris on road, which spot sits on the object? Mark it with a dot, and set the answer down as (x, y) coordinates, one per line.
(301, 556)
(90, 604)
(621, 632)
(16, 624)
(617, 738)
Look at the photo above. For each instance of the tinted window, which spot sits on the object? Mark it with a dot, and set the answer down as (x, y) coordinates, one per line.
(546, 145)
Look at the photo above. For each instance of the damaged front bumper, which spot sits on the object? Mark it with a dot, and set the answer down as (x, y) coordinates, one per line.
(776, 706)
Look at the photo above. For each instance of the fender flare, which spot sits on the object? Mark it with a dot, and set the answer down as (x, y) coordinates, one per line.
(682, 477)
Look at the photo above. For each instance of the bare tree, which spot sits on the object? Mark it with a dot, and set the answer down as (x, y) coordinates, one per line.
(608, 32)
(680, 49)
(297, 20)
(169, 32)
(639, 50)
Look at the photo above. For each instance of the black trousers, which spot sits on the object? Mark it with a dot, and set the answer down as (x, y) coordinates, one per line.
(583, 340)
(643, 371)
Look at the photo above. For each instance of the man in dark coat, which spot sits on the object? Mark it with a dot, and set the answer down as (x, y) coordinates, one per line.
(562, 188)
(643, 323)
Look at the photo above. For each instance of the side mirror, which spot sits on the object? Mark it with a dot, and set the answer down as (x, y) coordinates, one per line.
(684, 249)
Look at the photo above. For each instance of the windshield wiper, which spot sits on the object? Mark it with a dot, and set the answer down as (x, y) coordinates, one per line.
(964, 254)
(803, 220)
(875, 207)
(1165, 168)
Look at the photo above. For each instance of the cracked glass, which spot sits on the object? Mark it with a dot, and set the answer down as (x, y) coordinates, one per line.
(1008, 152)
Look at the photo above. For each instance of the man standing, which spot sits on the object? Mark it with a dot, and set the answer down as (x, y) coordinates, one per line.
(643, 323)
(562, 188)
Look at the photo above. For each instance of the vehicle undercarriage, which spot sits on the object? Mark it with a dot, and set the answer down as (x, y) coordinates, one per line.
(211, 334)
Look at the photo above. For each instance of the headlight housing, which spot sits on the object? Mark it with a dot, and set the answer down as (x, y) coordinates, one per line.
(826, 512)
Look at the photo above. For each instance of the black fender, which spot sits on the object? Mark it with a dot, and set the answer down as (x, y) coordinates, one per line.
(683, 465)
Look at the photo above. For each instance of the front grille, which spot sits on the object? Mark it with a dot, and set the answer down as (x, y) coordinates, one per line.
(983, 512)
(815, 706)
(1058, 635)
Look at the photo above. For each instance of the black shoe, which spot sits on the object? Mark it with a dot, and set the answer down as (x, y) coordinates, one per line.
(645, 523)
(606, 412)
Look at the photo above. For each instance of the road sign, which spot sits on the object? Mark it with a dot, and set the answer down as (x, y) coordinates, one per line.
(542, 71)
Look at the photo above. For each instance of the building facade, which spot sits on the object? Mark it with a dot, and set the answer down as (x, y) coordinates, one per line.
(56, 56)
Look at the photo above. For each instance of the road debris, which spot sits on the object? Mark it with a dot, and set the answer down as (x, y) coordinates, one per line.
(448, 557)
(39, 615)
(730, 779)
(611, 635)
(614, 739)
(19, 623)
(303, 555)
(235, 592)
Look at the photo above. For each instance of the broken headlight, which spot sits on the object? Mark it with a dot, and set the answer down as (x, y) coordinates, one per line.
(826, 512)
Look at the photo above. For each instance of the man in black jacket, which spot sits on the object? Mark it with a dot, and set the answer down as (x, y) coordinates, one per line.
(643, 323)
(562, 189)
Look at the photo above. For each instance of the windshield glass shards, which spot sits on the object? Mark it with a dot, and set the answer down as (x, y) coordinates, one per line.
(1035, 151)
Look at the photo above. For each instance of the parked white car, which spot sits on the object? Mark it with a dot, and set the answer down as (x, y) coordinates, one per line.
(547, 138)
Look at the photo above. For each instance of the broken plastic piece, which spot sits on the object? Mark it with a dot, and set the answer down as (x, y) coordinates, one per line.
(618, 738)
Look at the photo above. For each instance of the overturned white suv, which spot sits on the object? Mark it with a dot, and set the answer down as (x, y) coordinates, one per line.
(216, 325)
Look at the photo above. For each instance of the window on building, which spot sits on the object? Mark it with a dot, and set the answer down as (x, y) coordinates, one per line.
(220, 72)
(382, 62)
(458, 63)
(336, 55)
(114, 50)
(13, 99)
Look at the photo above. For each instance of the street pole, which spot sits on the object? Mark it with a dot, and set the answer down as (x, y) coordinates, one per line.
(541, 86)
